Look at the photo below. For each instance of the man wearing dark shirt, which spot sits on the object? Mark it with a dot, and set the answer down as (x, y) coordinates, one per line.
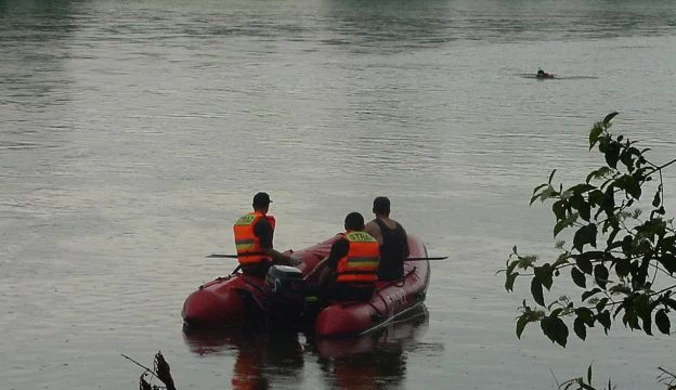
(392, 238)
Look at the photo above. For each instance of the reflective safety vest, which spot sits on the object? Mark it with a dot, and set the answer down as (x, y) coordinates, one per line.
(248, 245)
(361, 262)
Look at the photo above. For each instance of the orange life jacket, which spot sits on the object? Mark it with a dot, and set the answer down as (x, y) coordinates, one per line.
(361, 262)
(248, 245)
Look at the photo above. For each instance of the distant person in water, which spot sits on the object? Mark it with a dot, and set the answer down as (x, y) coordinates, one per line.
(392, 239)
(543, 75)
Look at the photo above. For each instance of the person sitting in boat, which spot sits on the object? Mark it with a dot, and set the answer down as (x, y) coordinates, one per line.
(392, 239)
(543, 75)
(253, 239)
(352, 264)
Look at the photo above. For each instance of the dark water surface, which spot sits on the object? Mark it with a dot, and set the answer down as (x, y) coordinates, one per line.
(133, 134)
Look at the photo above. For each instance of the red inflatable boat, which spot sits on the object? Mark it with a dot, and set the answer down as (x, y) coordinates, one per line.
(239, 298)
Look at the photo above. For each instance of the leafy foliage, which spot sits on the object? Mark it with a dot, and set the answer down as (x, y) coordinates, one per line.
(615, 254)
(668, 378)
(582, 383)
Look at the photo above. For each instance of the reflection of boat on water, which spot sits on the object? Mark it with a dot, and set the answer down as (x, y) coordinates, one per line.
(374, 361)
(266, 358)
(263, 357)
(405, 330)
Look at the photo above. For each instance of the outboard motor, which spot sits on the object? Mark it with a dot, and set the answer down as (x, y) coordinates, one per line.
(286, 290)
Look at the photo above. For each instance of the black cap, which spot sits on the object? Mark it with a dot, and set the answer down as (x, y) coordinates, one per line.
(261, 199)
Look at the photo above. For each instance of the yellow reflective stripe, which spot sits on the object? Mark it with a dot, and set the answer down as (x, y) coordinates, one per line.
(244, 244)
(246, 220)
(363, 262)
(369, 259)
(361, 265)
(359, 237)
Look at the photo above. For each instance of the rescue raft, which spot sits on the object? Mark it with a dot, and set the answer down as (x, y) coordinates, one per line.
(238, 298)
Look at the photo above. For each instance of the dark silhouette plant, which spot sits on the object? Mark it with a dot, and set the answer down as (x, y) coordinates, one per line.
(623, 263)
(615, 256)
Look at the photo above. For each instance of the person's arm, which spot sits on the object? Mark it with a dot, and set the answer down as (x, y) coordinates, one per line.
(263, 230)
(280, 257)
(406, 249)
(339, 250)
(327, 267)
(373, 229)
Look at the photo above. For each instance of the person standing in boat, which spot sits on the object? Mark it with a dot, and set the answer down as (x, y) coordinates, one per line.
(352, 264)
(253, 239)
(392, 239)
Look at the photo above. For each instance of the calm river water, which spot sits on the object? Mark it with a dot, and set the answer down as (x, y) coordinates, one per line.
(134, 133)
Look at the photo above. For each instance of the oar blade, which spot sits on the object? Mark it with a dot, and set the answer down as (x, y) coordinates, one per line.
(426, 258)
(221, 256)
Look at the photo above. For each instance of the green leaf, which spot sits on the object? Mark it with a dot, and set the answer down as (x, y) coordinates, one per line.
(646, 317)
(590, 293)
(541, 186)
(662, 321)
(578, 202)
(536, 291)
(601, 173)
(585, 315)
(657, 200)
(521, 323)
(551, 176)
(584, 264)
(511, 266)
(555, 329)
(627, 244)
(585, 235)
(626, 157)
(596, 198)
(622, 267)
(612, 154)
(594, 135)
(632, 186)
(578, 277)
(601, 275)
(669, 262)
(560, 226)
(580, 328)
(610, 244)
(609, 117)
(569, 221)
(671, 303)
(581, 188)
(509, 282)
(546, 193)
(544, 275)
(601, 304)
(559, 208)
(604, 319)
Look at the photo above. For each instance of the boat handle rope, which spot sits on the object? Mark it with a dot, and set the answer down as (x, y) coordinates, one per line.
(399, 283)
